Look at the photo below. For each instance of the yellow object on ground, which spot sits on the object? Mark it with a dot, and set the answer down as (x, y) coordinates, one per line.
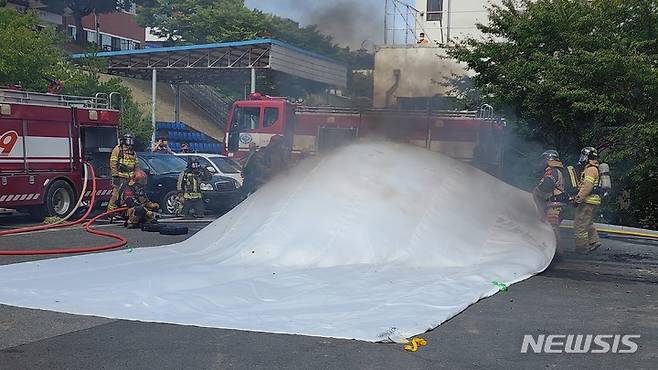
(51, 220)
(414, 344)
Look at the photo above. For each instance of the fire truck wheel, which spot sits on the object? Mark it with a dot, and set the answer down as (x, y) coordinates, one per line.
(60, 199)
(169, 204)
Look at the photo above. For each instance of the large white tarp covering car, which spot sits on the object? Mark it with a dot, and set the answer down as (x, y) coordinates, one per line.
(376, 241)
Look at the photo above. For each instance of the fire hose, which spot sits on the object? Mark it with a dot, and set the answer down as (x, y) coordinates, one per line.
(121, 241)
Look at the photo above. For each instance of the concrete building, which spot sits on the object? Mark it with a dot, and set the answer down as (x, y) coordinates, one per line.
(447, 19)
(418, 76)
(413, 77)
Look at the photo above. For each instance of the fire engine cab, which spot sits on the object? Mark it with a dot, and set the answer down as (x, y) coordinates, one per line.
(45, 140)
(471, 136)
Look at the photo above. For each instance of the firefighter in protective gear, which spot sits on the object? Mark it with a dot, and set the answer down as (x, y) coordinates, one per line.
(123, 163)
(264, 164)
(189, 184)
(133, 196)
(550, 194)
(588, 201)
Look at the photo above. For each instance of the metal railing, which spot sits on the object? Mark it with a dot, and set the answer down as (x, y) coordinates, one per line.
(212, 103)
(100, 101)
(387, 111)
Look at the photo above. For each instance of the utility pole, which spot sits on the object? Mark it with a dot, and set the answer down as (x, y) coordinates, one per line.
(448, 21)
(385, 21)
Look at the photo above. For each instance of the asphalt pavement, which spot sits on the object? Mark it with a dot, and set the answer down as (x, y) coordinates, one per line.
(613, 291)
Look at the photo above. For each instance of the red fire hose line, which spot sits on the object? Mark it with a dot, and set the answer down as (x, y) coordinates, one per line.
(64, 224)
(121, 241)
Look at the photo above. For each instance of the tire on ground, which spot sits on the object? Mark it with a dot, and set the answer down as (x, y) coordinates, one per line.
(151, 228)
(173, 230)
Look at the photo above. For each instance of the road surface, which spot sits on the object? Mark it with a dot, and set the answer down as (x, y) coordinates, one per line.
(613, 291)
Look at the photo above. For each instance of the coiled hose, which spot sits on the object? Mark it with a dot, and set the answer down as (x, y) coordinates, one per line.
(121, 241)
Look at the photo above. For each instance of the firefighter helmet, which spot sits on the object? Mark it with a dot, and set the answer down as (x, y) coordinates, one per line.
(588, 154)
(138, 176)
(551, 155)
(193, 164)
(128, 139)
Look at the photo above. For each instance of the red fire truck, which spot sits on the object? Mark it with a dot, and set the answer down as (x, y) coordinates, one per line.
(472, 136)
(44, 140)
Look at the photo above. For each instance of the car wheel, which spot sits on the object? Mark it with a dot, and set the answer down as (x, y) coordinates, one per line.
(60, 199)
(170, 203)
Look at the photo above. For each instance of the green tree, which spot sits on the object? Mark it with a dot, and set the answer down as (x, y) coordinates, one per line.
(574, 73)
(26, 54)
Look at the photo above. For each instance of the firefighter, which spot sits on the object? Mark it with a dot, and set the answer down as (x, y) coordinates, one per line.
(588, 201)
(254, 171)
(278, 157)
(264, 164)
(133, 196)
(189, 185)
(550, 194)
(123, 163)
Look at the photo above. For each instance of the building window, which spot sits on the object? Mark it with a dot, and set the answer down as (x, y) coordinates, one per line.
(91, 37)
(106, 42)
(72, 32)
(434, 10)
(116, 43)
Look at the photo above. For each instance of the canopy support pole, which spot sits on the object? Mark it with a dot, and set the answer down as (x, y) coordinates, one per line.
(177, 105)
(154, 83)
(253, 80)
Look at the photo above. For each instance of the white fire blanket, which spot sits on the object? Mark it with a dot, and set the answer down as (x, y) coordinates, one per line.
(376, 241)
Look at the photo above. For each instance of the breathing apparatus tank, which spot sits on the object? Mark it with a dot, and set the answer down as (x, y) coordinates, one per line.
(606, 181)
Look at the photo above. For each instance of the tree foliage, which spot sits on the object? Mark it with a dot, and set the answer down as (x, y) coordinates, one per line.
(575, 73)
(28, 55)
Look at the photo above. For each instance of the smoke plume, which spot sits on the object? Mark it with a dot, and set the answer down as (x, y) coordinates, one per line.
(349, 22)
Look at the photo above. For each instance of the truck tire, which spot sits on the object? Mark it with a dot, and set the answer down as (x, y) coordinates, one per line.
(60, 199)
(169, 203)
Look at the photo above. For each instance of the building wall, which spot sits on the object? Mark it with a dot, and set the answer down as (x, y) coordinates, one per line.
(464, 14)
(48, 18)
(118, 30)
(422, 72)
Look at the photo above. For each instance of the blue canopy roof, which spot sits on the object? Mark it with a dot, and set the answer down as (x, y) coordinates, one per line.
(197, 63)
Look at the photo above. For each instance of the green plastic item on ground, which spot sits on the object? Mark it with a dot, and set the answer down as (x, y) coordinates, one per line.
(501, 286)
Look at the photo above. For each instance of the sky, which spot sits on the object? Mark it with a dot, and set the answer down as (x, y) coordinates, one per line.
(350, 22)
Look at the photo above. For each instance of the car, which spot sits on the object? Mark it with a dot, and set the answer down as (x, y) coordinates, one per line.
(218, 164)
(162, 170)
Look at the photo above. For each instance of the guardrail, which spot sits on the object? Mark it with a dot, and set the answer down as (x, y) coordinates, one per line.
(100, 101)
